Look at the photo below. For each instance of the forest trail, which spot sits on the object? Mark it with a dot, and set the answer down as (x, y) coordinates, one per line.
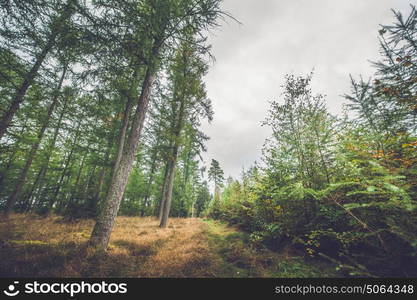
(32, 246)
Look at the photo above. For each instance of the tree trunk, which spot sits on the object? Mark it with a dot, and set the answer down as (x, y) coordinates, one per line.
(162, 200)
(150, 181)
(186, 176)
(23, 173)
(30, 192)
(122, 135)
(217, 193)
(104, 225)
(50, 149)
(87, 186)
(66, 165)
(75, 191)
(172, 161)
(167, 193)
(93, 204)
(3, 173)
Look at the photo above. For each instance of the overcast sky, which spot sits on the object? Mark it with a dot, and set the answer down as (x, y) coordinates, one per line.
(276, 37)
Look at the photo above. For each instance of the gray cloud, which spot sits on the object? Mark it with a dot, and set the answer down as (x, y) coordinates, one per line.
(335, 37)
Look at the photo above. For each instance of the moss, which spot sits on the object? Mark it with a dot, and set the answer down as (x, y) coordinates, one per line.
(236, 257)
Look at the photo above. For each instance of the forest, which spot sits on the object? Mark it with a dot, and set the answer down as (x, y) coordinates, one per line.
(102, 106)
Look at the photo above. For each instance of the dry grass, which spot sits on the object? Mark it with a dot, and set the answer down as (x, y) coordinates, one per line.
(39, 247)
(33, 246)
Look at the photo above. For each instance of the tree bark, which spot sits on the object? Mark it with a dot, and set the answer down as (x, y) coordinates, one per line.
(172, 161)
(3, 173)
(167, 193)
(186, 175)
(75, 190)
(101, 233)
(66, 165)
(28, 197)
(162, 200)
(122, 135)
(150, 181)
(51, 147)
(93, 204)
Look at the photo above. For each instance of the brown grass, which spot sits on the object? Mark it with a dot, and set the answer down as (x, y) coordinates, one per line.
(34, 246)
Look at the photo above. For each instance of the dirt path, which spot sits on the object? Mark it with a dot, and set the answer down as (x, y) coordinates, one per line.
(51, 247)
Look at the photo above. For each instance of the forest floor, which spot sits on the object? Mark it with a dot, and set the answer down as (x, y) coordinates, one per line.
(34, 246)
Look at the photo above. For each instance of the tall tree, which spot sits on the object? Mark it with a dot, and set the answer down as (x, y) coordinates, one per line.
(160, 22)
(42, 44)
(202, 199)
(216, 174)
(303, 133)
(188, 95)
(23, 174)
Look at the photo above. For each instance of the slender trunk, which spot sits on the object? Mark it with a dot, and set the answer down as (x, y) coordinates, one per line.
(21, 92)
(3, 173)
(70, 193)
(74, 208)
(324, 165)
(150, 181)
(84, 194)
(172, 161)
(122, 135)
(186, 176)
(302, 164)
(23, 173)
(66, 165)
(162, 200)
(51, 147)
(104, 225)
(75, 190)
(92, 206)
(29, 193)
(167, 194)
(216, 192)
(124, 125)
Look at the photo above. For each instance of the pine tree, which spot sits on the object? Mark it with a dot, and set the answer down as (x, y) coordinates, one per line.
(216, 175)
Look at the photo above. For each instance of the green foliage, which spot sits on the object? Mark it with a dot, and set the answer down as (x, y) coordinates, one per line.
(303, 135)
(106, 49)
(365, 225)
(343, 190)
(346, 196)
(215, 173)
